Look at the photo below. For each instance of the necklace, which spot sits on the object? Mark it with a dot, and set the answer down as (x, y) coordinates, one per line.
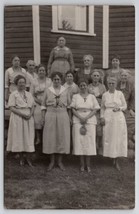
(23, 96)
(84, 96)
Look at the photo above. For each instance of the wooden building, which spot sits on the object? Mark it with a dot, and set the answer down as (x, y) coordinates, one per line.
(31, 32)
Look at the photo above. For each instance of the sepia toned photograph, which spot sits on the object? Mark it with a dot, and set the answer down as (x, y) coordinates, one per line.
(69, 107)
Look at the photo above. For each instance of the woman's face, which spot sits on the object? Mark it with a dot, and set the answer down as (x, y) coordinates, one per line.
(124, 77)
(31, 66)
(61, 42)
(16, 62)
(83, 87)
(88, 62)
(69, 78)
(112, 85)
(41, 72)
(95, 76)
(115, 63)
(21, 84)
(56, 81)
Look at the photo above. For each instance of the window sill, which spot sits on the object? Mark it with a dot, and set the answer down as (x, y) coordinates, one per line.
(73, 33)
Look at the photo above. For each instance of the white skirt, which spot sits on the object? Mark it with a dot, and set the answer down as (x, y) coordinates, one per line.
(84, 144)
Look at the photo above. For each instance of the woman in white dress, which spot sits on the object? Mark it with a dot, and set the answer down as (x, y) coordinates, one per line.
(97, 89)
(84, 107)
(21, 125)
(112, 117)
(40, 84)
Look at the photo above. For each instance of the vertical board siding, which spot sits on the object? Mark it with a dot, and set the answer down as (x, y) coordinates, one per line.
(80, 45)
(122, 34)
(18, 34)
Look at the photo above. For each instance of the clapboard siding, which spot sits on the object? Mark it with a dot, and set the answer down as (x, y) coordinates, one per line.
(122, 34)
(18, 33)
(80, 45)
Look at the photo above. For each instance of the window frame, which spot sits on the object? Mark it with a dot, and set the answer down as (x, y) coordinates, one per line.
(90, 23)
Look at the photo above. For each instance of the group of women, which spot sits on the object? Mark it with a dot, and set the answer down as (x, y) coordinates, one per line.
(82, 108)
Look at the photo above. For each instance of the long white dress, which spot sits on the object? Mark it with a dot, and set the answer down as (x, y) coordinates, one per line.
(21, 131)
(115, 129)
(84, 144)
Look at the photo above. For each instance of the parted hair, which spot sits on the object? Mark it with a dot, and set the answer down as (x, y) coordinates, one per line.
(17, 78)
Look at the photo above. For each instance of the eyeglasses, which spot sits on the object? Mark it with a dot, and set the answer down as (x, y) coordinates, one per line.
(57, 79)
(95, 75)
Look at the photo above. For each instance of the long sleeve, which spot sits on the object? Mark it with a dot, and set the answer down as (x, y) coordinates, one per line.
(51, 59)
(132, 100)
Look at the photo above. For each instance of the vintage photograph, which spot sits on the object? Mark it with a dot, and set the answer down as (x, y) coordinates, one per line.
(69, 107)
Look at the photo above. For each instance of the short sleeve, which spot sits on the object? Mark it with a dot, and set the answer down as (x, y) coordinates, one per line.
(31, 100)
(11, 102)
(95, 103)
(73, 102)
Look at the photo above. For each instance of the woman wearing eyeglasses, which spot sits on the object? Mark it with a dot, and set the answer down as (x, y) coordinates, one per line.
(113, 119)
(97, 89)
(56, 132)
(85, 72)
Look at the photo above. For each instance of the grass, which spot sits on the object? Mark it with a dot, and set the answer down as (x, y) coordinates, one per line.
(35, 188)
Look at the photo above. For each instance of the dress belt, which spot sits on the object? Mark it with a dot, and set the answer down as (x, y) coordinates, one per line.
(60, 59)
(83, 110)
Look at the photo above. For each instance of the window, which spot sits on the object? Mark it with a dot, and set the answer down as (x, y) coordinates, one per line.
(73, 19)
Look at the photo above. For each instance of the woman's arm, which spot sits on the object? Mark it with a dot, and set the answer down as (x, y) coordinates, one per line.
(43, 106)
(6, 94)
(6, 85)
(71, 61)
(50, 61)
(91, 114)
(82, 119)
(16, 111)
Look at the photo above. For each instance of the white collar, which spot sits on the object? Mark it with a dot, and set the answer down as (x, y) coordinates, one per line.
(62, 88)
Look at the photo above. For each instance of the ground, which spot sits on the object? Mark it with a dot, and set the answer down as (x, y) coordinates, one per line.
(35, 188)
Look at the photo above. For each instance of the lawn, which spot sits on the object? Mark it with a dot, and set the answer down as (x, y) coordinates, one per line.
(35, 188)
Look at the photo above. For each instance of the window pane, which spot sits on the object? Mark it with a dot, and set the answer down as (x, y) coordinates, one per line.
(72, 18)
